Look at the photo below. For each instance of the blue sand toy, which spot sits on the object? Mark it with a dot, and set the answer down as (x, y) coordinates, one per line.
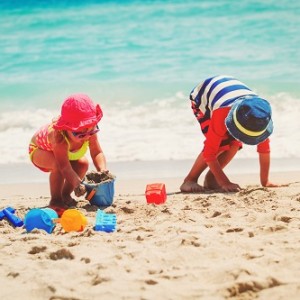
(8, 213)
(40, 218)
(105, 222)
(100, 194)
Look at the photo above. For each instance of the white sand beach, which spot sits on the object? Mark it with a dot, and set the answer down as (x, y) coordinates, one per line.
(243, 245)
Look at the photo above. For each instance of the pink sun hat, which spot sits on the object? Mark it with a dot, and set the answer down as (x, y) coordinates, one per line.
(78, 111)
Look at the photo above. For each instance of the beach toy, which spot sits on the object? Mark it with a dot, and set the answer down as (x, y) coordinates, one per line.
(100, 194)
(40, 218)
(105, 222)
(8, 213)
(156, 193)
(47, 218)
(72, 220)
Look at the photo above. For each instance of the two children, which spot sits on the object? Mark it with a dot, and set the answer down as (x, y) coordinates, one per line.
(59, 148)
(229, 114)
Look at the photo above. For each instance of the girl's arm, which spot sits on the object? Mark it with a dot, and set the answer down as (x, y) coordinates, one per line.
(97, 154)
(60, 152)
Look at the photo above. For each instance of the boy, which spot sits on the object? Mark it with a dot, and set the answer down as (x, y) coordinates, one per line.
(230, 114)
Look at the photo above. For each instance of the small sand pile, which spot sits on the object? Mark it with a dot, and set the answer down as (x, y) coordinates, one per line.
(93, 177)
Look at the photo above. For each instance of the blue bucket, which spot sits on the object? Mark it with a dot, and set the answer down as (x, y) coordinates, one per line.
(100, 194)
(40, 218)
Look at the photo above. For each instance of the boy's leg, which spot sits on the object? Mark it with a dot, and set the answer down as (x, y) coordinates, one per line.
(80, 167)
(190, 183)
(224, 158)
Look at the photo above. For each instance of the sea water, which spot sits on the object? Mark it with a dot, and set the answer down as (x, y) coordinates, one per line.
(140, 60)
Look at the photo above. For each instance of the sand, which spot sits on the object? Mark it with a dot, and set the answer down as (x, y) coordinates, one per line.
(243, 245)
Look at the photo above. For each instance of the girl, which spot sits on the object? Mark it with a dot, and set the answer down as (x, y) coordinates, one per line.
(59, 148)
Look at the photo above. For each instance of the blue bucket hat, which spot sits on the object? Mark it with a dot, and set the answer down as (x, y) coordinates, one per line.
(249, 120)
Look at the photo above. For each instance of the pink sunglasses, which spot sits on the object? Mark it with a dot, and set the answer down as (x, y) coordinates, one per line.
(80, 134)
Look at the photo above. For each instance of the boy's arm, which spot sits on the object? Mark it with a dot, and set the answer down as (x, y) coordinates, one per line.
(221, 178)
(216, 132)
(264, 161)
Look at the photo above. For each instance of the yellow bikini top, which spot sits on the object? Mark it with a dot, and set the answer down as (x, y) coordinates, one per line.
(79, 153)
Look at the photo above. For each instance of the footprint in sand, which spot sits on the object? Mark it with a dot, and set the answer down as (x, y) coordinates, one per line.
(236, 229)
(215, 214)
(36, 249)
(284, 219)
(13, 274)
(61, 254)
(151, 282)
(127, 210)
(98, 280)
(252, 286)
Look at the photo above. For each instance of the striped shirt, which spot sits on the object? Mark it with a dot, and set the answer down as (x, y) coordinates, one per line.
(213, 93)
(207, 97)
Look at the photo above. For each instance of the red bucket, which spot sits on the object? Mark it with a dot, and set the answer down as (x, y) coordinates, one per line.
(156, 193)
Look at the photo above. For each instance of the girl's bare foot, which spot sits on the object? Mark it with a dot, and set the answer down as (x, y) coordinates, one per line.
(69, 201)
(56, 203)
(191, 187)
(58, 206)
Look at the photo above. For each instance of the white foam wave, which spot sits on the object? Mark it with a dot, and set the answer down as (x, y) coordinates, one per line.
(163, 129)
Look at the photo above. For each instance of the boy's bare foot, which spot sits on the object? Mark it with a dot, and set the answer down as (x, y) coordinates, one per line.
(210, 182)
(191, 187)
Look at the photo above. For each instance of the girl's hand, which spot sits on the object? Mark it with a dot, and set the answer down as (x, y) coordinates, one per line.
(104, 175)
(80, 190)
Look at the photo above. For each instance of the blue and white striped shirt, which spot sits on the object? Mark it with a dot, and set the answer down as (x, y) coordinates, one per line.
(218, 91)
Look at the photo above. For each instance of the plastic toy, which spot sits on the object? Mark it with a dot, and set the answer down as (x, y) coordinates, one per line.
(72, 220)
(40, 218)
(100, 194)
(105, 222)
(8, 213)
(156, 193)
(47, 218)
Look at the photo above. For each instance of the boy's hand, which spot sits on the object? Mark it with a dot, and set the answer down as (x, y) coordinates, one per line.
(80, 190)
(231, 187)
(270, 184)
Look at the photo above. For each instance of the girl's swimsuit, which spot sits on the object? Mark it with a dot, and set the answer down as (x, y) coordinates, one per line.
(42, 142)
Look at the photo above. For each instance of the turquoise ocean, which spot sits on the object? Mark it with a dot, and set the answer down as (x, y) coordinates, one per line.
(139, 60)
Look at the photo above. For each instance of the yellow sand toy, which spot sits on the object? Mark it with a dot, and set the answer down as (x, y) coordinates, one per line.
(72, 220)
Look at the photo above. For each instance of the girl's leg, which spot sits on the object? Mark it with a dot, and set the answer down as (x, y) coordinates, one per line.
(56, 181)
(80, 167)
(45, 160)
